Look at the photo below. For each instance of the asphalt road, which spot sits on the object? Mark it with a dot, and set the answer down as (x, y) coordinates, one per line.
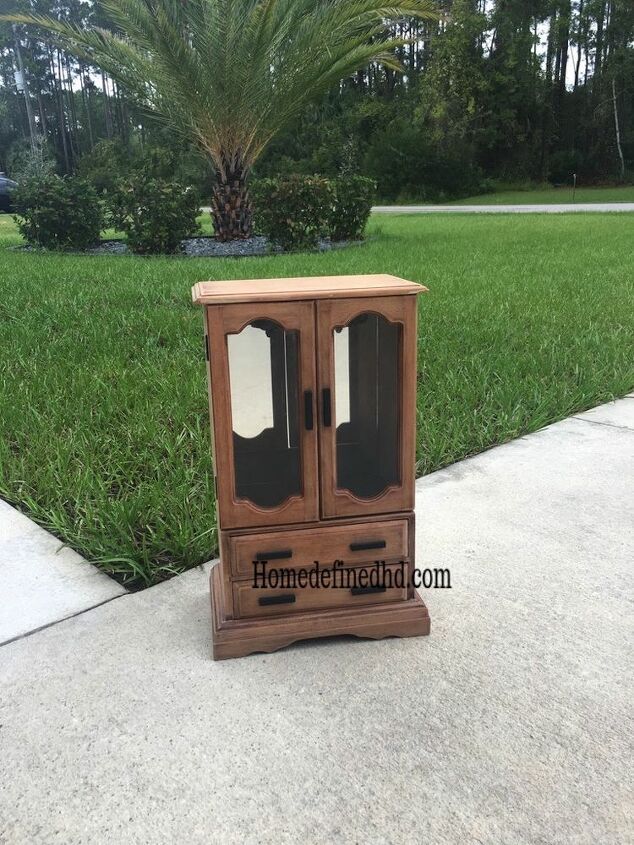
(503, 209)
(498, 209)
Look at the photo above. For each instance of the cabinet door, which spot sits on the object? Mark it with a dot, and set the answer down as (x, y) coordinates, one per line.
(367, 381)
(262, 371)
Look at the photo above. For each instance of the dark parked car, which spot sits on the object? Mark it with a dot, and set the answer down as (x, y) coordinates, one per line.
(6, 186)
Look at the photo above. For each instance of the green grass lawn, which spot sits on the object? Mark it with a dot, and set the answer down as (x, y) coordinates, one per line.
(103, 407)
(551, 196)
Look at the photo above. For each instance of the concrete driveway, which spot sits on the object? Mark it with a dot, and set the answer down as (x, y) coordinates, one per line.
(511, 723)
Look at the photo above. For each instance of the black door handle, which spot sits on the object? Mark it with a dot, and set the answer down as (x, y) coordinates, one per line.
(371, 544)
(326, 411)
(308, 410)
(276, 555)
(364, 591)
(288, 598)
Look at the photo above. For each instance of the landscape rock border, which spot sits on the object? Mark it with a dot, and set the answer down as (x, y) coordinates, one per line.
(208, 247)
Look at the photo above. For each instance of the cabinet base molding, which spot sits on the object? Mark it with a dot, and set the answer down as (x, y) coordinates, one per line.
(240, 637)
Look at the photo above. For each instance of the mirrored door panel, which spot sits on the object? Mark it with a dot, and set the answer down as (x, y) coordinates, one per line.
(367, 375)
(265, 443)
(367, 405)
(264, 384)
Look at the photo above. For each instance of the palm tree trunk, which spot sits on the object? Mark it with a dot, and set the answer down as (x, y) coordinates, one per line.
(231, 210)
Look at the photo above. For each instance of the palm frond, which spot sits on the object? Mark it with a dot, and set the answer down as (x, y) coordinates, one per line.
(232, 73)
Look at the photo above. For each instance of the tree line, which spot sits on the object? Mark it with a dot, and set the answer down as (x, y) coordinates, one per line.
(510, 91)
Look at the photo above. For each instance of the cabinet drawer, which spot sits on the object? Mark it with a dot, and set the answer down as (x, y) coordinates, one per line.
(259, 601)
(351, 544)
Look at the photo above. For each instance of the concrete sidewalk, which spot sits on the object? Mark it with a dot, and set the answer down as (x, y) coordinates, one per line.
(511, 723)
(562, 208)
(41, 580)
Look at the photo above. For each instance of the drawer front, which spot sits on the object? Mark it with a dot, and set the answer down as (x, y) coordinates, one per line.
(351, 544)
(259, 601)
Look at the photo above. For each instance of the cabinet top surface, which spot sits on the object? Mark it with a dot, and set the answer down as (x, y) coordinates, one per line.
(307, 287)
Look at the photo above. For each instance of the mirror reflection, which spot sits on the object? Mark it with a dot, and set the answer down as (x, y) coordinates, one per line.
(367, 394)
(264, 385)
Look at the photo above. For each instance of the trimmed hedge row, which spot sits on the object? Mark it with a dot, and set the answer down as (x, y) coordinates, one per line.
(155, 214)
(293, 212)
(58, 212)
(296, 211)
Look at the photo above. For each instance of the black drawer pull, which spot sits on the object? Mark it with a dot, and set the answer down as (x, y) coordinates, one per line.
(308, 410)
(279, 555)
(366, 591)
(326, 412)
(289, 598)
(371, 544)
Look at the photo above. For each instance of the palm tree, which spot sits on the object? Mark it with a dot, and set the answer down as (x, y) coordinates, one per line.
(230, 74)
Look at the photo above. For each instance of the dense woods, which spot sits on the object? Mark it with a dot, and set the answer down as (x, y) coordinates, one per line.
(513, 90)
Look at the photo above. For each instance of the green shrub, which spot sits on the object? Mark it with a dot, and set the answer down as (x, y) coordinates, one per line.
(105, 165)
(354, 196)
(109, 162)
(293, 211)
(58, 212)
(408, 165)
(563, 164)
(155, 214)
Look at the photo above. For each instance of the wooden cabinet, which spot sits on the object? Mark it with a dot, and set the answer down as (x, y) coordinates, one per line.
(312, 390)
(367, 382)
(262, 376)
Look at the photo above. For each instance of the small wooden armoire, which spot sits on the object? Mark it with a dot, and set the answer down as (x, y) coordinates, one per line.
(312, 392)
